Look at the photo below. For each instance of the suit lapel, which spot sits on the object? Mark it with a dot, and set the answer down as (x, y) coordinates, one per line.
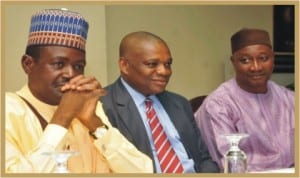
(177, 115)
(173, 110)
(135, 130)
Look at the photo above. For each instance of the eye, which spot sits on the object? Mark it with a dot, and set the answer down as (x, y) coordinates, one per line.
(151, 64)
(168, 64)
(244, 59)
(79, 67)
(263, 58)
(58, 64)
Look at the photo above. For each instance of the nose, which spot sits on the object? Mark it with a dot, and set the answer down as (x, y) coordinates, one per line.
(256, 65)
(163, 70)
(68, 72)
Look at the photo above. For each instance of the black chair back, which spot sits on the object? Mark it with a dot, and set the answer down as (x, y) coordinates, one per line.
(196, 102)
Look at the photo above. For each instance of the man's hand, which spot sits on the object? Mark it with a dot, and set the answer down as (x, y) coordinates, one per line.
(82, 83)
(79, 100)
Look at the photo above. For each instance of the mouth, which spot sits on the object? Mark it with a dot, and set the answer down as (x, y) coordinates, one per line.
(59, 84)
(58, 87)
(161, 82)
(257, 76)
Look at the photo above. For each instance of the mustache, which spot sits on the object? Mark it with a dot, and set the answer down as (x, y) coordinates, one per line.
(257, 74)
(61, 82)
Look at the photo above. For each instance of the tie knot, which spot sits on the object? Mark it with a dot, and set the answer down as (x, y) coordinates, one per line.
(148, 102)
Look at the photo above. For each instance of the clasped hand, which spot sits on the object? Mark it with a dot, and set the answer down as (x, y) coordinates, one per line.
(79, 100)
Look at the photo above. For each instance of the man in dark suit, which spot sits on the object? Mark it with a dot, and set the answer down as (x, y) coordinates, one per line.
(145, 65)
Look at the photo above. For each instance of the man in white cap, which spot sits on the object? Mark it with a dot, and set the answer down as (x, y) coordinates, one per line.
(59, 109)
(250, 103)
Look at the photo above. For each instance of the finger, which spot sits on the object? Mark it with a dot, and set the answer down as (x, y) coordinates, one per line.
(88, 83)
(85, 80)
(66, 87)
(99, 92)
(89, 86)
(71, 85)
(74, 80)
(79, 80)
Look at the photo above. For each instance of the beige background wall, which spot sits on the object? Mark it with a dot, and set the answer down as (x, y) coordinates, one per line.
(198, 36)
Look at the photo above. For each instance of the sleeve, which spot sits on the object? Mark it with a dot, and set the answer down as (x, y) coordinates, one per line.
(25, 142)
(213, 119)
(203, 162)
(20, 159)
(122, 156)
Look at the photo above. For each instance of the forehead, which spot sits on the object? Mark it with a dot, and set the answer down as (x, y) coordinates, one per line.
(149, 47)
(61, 51)
(253, 49)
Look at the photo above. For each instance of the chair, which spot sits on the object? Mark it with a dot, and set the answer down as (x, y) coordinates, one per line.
(196, 102)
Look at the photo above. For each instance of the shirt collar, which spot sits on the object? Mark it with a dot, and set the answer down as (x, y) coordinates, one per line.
(244, 92)
(44, 109)
(138, 98)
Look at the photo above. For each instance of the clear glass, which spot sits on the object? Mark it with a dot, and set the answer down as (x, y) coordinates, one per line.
(235, 158)
(61, 159)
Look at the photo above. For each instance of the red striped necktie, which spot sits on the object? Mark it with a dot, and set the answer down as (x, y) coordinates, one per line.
(169, 161)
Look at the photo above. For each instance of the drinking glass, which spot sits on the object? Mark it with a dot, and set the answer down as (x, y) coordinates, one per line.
(235, 158)
(61, 159)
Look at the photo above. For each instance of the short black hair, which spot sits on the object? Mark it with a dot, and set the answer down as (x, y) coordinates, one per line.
(33, 51)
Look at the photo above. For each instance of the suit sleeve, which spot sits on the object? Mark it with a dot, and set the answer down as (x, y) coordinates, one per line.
(203, 162)
(122, 156)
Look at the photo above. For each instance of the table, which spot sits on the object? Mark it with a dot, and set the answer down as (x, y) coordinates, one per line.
(284, 170)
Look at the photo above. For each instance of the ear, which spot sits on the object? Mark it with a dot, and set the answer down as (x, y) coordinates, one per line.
(27, 63)
(273, 63)
(231, 58)
(123, 65)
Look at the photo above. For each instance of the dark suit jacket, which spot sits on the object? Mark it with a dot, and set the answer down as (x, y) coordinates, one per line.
(124, 115)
